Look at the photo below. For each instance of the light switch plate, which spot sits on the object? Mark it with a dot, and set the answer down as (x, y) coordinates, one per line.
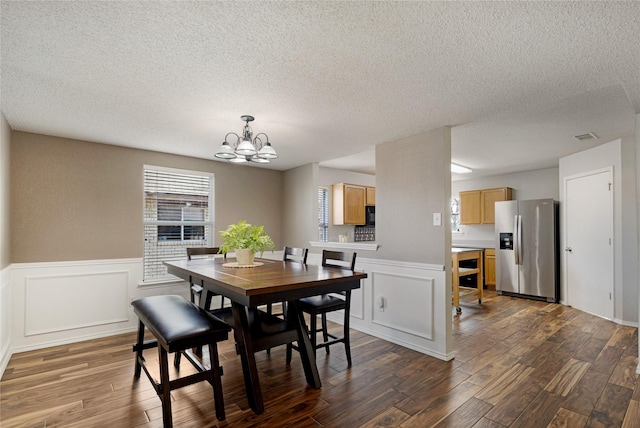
(437, 219)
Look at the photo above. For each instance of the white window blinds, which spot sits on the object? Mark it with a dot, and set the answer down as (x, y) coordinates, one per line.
(323, 214)
(178, 213)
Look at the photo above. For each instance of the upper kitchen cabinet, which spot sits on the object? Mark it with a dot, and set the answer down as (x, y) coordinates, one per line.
(489, 199)
(478, 206)
(470, 207)
(349, 201)
(371, 195)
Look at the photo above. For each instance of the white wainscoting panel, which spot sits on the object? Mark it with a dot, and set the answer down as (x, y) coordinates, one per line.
(92, 298)
(65, 302)
(417, 305)
(403, 302)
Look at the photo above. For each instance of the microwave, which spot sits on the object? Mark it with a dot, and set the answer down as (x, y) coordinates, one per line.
(370, 215)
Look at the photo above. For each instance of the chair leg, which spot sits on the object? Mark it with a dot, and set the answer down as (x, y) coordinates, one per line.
(289, 352)
(289, 346)
(165, 395)
(207, 300)
(269, 311)
(138, 367)
(325, 332)
(217, 381)
(314, 332)
(347, 349)
(347, 341)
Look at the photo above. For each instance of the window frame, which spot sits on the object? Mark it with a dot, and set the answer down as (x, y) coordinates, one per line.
(152, 254)
(323, 211)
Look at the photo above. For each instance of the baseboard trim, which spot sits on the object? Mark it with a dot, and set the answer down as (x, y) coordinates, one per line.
(73, 339)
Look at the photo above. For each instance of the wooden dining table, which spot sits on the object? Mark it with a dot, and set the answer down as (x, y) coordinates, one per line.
(271, 282)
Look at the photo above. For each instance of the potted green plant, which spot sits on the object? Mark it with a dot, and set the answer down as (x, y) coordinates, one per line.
(245, 240)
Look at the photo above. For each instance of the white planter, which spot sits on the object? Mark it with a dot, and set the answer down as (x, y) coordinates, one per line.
(244, 257)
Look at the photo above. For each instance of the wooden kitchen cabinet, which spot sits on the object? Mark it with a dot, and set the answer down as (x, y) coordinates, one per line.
(490, 268)
(478, 206)
(371, 196)
(489, 198)
(349, 201)
(470, 207)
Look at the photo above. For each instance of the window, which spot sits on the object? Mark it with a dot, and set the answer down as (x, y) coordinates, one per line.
(455, 214)
(323, 214)
(178, 213)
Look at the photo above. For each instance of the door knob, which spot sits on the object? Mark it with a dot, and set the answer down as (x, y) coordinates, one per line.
(569, 249)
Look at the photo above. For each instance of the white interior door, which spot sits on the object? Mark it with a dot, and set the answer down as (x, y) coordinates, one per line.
(588, 252)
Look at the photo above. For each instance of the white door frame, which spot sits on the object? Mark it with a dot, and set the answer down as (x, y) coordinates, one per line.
(565, 294)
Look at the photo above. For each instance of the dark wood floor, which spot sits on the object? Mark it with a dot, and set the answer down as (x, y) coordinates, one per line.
(519, 363)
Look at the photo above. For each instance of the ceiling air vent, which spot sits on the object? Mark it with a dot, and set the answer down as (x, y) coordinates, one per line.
(589, 136)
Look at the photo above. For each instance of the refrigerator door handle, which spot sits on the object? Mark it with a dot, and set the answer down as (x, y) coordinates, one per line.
(518, 240)
(515, 240)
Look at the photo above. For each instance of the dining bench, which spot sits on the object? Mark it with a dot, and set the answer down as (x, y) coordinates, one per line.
(178, 325)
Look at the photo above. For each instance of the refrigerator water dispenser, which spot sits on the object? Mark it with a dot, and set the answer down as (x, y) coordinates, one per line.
(506, 241)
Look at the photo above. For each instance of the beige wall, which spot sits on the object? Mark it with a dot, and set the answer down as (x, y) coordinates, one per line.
(76, 200)
(300, 212)
(413, 181)
(5, 141)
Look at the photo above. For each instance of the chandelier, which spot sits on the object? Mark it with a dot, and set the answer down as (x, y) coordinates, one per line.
(247, 148)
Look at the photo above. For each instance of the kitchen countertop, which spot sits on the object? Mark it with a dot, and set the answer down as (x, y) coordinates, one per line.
(465, 249)
(473, 244)
(363, 245)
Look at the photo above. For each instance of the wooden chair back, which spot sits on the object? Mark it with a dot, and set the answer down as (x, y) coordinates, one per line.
(339, 259)
(197, 289)
(202, 251)
(295, 254)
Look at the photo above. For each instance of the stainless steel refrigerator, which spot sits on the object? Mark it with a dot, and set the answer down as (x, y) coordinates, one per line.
(527, 257)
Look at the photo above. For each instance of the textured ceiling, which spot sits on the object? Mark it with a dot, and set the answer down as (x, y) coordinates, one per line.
(326, 80)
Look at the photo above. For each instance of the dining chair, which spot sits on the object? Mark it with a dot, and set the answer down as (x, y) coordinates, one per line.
(322, 304)
(290, 254)
(197, 289)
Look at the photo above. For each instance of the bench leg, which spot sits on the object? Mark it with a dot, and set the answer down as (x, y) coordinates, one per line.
(165, 385)
(217, 381)
(138, 367)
